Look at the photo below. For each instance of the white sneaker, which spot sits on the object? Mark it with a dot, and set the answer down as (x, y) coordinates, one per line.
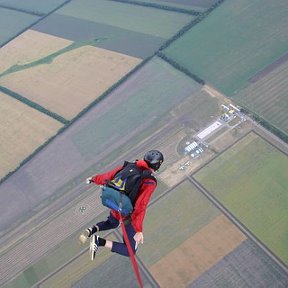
(94, 245)
(85, 235)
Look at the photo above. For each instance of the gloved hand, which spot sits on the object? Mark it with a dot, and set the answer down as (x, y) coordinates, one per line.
(89, 180)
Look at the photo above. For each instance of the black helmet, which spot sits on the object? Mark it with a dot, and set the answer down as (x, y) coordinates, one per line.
(154, 159)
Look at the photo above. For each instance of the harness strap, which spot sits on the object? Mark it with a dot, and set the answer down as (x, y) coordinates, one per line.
(130, 251)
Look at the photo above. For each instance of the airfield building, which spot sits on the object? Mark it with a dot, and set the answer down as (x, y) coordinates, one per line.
(194, 149)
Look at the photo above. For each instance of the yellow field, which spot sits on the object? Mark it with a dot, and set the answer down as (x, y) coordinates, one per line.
(22, 130)
(197, 254)
(29, 46)
(70, 81)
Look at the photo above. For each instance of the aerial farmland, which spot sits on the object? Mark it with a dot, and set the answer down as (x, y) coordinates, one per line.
(88, 84)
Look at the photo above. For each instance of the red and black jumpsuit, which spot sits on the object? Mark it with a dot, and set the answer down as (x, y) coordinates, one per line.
(146, 189)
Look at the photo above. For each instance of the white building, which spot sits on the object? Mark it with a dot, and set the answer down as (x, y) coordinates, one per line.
(191, 147)
(194, 149)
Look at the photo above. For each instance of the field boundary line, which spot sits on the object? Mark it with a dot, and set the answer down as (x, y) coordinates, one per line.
(237, 223)
(180, 68)
(78, 116)
(191, 24)
(142, 266)
(33, 105)
(34, 13)
(221, 152)
(259, 120)
(159, 6)
(37, 21)
(271, 142)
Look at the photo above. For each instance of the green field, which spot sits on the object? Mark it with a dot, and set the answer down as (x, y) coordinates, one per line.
(124, 41)
(174, 219)
(250, 180)
(199, 109)
(162, 24)
(9, 28)
(235, 42)
(199, 6)
(268, 97)
(33, 6)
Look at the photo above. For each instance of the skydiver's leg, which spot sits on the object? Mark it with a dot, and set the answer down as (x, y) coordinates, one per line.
(110, 223)
(117, 247)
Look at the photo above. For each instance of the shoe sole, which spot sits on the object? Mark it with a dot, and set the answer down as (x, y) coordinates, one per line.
(91, 249)
(83, 239)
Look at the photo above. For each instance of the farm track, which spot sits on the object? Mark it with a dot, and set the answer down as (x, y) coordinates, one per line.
(270, 137)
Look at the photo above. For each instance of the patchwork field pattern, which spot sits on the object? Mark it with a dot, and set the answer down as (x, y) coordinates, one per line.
(128, 42)
(194, 5)
(198, 253)
(208, 225)
(229, 179)
(182, 207)
(148, 95)
(17, 121)
(118, 267)
(32, 6)
(11, 28)
(124, 26)
(27, 48)
(143, 100)
(129, 17)
(69, 79)
(245, 266)
(229, 64)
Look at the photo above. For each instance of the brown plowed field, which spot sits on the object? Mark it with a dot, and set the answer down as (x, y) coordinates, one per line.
(197, 254)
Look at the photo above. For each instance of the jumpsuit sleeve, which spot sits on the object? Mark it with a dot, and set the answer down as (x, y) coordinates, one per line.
(100, 179)
(146, 189)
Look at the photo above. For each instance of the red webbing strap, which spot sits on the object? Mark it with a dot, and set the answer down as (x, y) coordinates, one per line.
(132, 257)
